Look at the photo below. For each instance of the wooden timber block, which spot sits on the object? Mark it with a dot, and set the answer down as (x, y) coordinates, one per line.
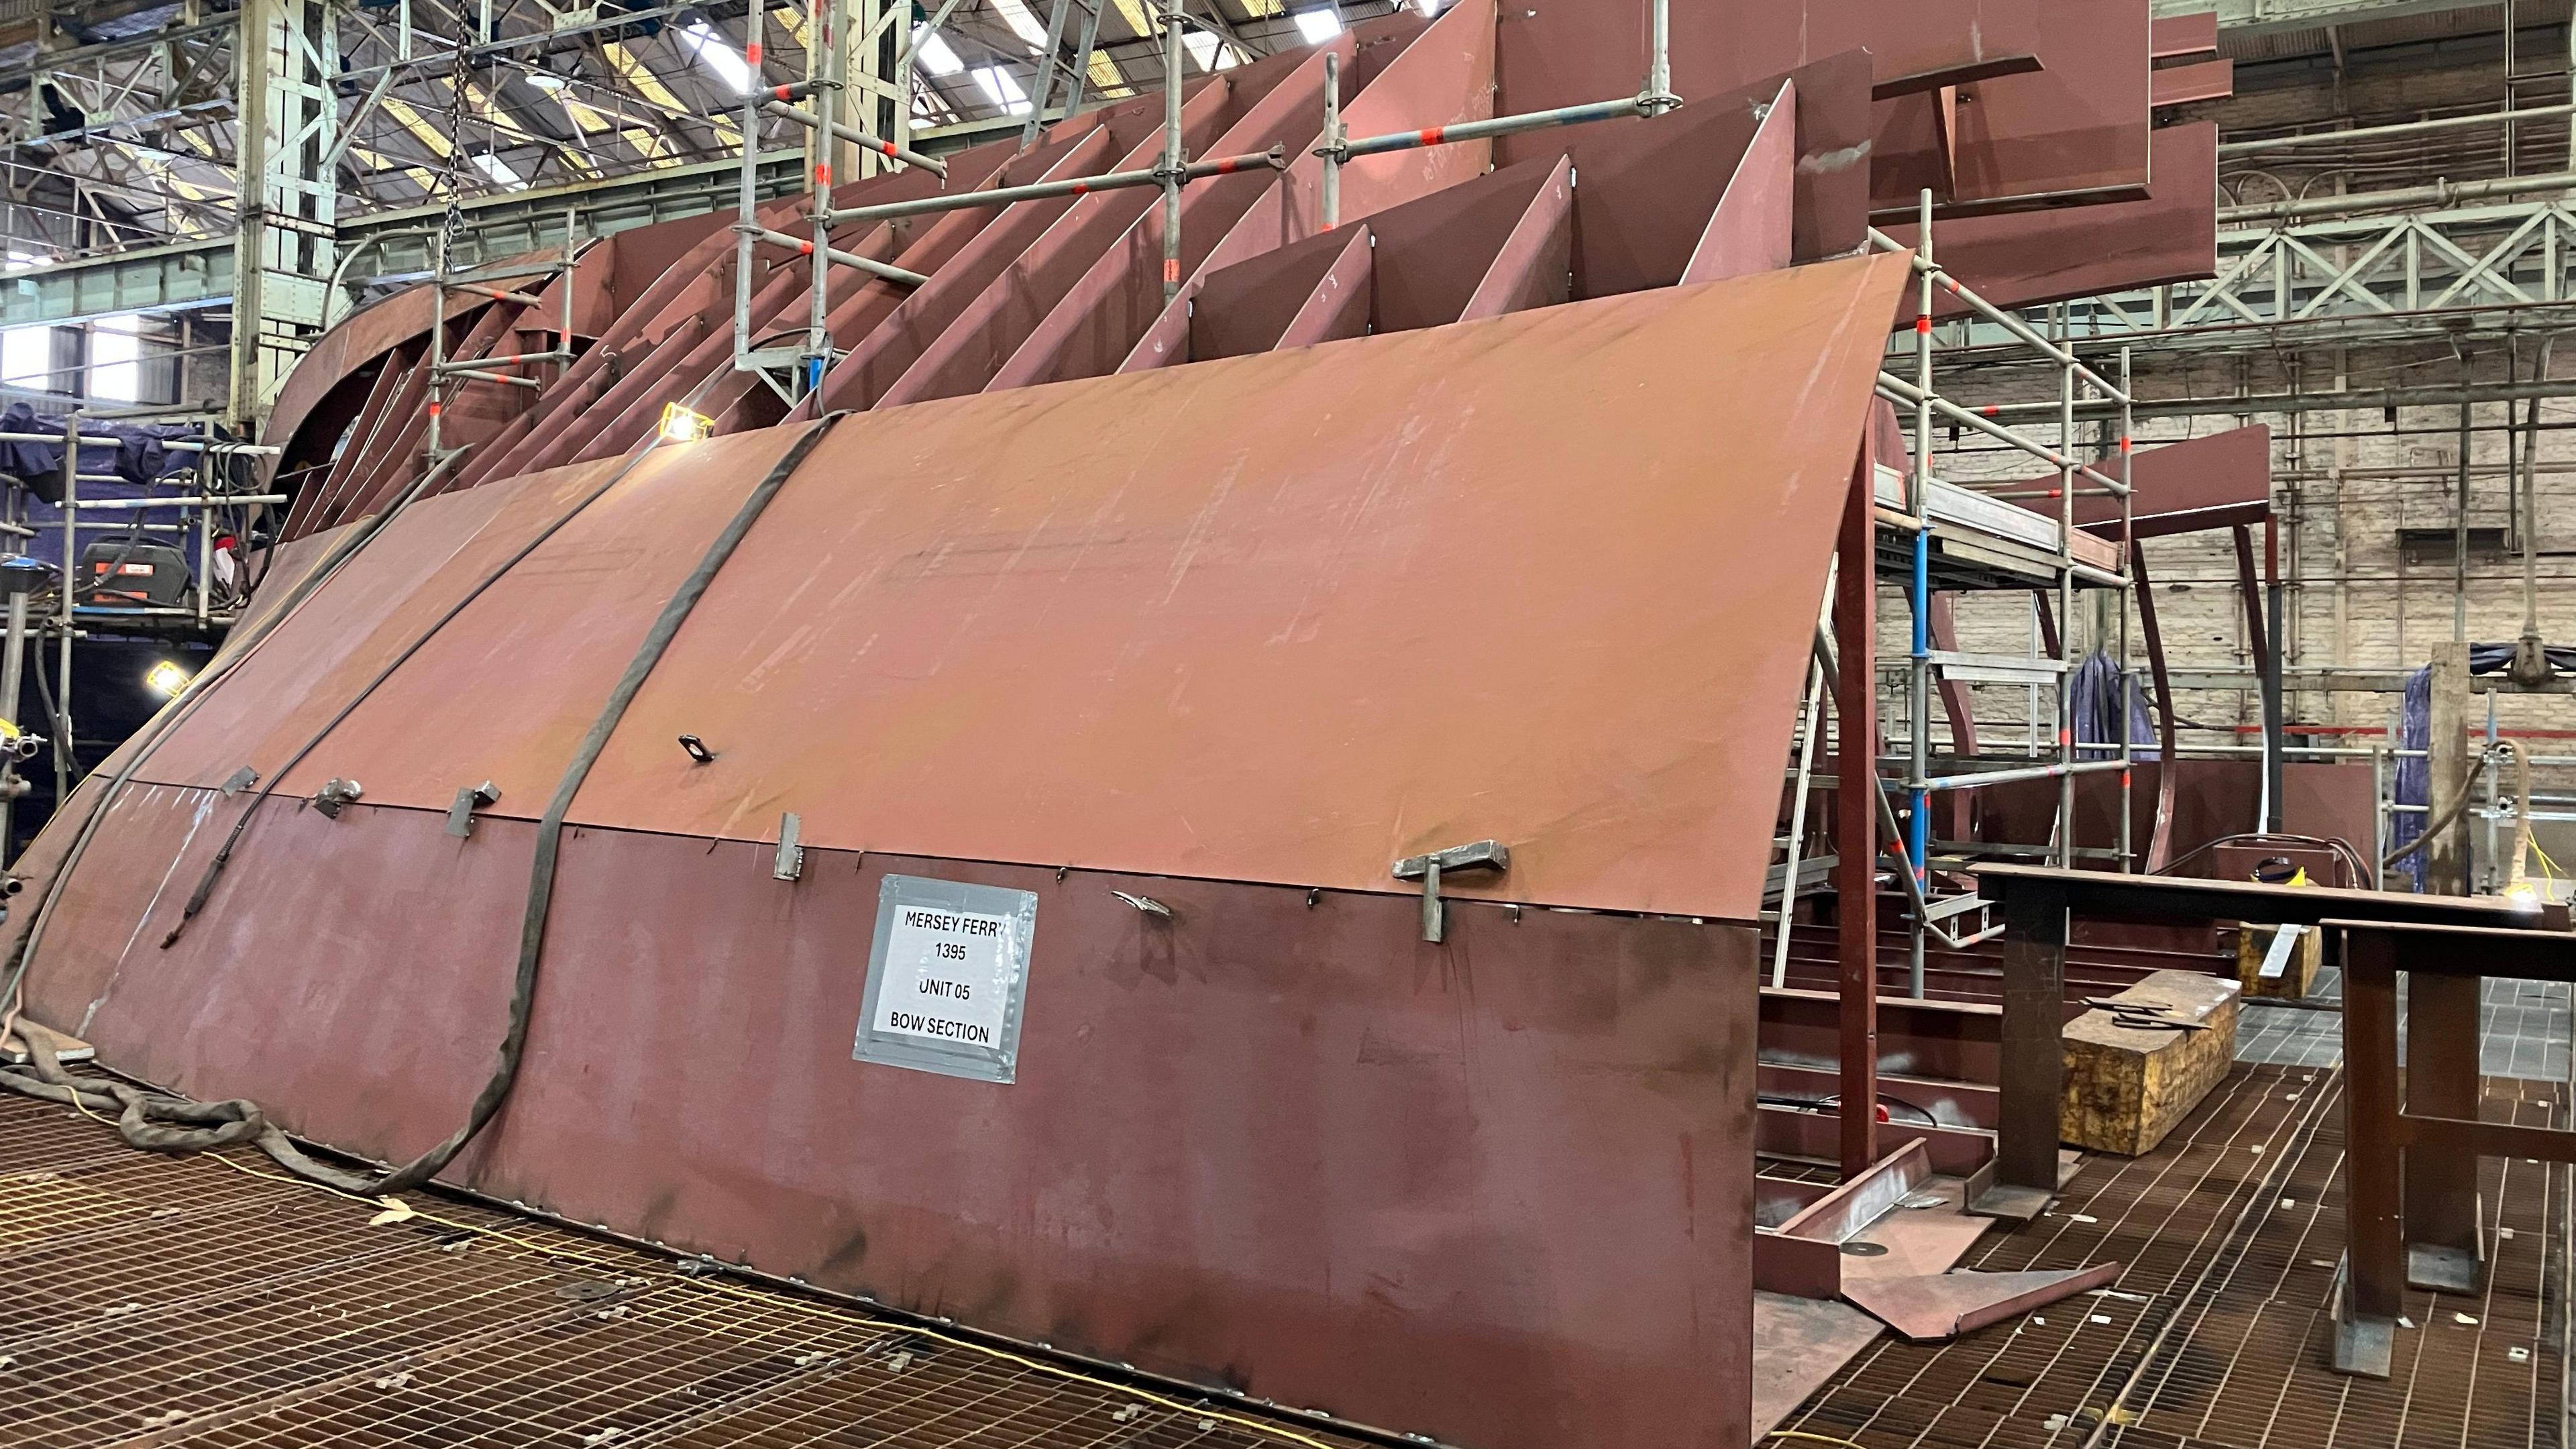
(2299, 972)
(2126, 1086)
(68, 1049)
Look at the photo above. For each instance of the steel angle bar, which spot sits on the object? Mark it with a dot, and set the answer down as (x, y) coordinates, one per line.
(2347, 280)
(2503, 253)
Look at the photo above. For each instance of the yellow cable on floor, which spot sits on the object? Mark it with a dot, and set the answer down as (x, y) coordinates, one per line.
(1813, 1438)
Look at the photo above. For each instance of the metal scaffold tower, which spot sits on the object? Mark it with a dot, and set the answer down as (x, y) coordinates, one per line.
(1936, 535)
(88, 595)
(817, 105)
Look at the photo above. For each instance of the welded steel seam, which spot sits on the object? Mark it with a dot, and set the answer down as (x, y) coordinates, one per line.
(541, 876)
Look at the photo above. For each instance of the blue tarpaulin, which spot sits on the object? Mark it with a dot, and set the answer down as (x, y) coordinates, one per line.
(139, 464)
(2415, 732)
(2095, 688)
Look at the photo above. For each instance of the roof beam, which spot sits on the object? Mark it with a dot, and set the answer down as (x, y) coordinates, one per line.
(2257, 17)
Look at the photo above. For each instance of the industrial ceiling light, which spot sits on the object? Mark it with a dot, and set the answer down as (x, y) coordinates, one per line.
(498, 169)
(1003, 91)
(165, 679)
(546, 80)
(1023, 24)
(1318, 26)
(681, 425)
(931, 52)
(715, 55)
(1204, 49)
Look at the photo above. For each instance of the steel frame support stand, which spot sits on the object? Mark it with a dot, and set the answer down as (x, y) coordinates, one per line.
(2274, 742)
(2415, 1136)
(2375, 1234)
(2022, 1179)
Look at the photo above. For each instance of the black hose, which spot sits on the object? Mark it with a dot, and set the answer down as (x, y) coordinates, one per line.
(541, 873)
(56, 721)
(159, 1123)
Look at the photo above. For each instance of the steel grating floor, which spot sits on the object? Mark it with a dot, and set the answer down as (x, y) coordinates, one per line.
(198, 1301)
(2523, 1028)
(2229, 1233)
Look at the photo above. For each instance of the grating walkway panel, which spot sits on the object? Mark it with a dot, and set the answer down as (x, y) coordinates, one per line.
(2218, 1331)
(2288, 1036)
(203, 1301)
(2523, 1028)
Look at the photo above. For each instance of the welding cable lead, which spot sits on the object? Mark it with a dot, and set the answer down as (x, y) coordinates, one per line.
(2460, 802)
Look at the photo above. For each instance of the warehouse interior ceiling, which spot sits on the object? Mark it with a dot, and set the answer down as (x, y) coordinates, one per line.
(121, 130)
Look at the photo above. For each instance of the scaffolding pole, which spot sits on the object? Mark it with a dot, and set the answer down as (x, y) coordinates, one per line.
(1172, 169)
(823, 62)
(1654, 97)
(1912, 769)
(812, 104)
(444, 374)
(62, 722)
(1918, 828)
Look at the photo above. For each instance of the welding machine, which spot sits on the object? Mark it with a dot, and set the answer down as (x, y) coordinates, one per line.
(129, 573)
